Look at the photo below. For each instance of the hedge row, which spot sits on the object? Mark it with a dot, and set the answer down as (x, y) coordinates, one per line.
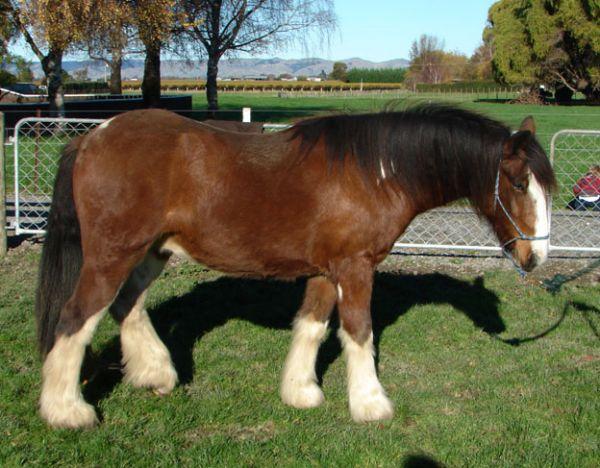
(376, 75)
(86, 87)
(193, 85)
(250, 85)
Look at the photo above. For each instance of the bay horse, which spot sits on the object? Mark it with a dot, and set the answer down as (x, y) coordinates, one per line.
(325, 199)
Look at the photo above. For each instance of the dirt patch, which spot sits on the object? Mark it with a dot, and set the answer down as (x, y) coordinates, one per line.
(583, 270)
(259, 433)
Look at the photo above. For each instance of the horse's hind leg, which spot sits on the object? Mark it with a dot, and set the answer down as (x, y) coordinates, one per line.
(61, 402)
(299, 383)
(146, 360)
(367, 398)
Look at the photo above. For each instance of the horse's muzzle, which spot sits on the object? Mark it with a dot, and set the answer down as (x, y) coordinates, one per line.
(531, 262)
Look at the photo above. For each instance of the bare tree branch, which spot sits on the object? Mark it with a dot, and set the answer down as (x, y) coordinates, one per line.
(229, 26)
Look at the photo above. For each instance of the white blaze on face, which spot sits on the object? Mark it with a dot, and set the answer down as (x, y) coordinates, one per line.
(542, 225)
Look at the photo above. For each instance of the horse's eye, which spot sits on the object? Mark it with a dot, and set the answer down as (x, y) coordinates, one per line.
(519, 186)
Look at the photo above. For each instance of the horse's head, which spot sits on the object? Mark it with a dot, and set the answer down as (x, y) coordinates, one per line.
(520, 209)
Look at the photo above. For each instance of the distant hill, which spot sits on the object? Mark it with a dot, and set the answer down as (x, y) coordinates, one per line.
(228, 68)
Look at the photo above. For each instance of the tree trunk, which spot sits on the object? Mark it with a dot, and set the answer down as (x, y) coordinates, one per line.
(52, 66)
(115, 71)
(211, 82)
(151, 83)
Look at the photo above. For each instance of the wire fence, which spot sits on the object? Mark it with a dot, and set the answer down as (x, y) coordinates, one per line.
(575, 156)
(38, 142)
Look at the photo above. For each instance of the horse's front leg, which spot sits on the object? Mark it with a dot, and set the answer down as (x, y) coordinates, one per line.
(299, 382)
(367, 398)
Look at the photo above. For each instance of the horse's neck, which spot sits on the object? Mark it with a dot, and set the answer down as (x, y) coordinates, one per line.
(438, 191)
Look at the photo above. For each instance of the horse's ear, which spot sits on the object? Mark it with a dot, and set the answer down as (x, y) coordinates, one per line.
(514, 143)
(528, 124)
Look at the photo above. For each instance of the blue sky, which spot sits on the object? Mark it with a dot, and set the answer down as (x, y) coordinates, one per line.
(384, 29)
(381, 30)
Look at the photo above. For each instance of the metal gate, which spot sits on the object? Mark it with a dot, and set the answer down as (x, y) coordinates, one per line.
(574, 227)
(572, 153)
(38, 141)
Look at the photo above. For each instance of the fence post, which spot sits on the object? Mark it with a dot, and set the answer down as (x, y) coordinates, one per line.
(246, 114)
(3, 240)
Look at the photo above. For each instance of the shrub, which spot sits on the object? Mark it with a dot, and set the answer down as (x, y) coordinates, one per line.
(7, 78)
(376, 75)
(86, 87)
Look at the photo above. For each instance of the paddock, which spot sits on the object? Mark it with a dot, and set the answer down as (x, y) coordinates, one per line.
(484, 368)
(462, 395)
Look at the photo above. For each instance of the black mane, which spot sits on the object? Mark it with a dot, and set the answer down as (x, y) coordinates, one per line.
(429, 150)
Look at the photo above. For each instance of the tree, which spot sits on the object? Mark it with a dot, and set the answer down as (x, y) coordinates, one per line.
(224, 27)
(479, 67)
(81, 75)
(22, 67)
(7, 78)
(7, 27)
(454, 66)
(431, 64)
(154, 21)
(109, 32)
(552, 42)
(426, 60)
(49, 28)
(339, 72)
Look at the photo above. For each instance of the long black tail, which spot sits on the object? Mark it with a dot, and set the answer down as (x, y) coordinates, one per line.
(61, 256)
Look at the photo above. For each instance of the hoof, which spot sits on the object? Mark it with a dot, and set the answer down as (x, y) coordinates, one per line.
(71, 415)
(373, 407)
(302, 396)
(161, 379)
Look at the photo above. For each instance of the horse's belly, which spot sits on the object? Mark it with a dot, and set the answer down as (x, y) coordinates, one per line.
(241, 261)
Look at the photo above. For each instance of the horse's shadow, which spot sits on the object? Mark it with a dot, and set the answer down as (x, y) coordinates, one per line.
(181, 321)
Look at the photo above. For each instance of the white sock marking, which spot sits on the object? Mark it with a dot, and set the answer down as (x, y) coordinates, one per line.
(61, 403)
(367, 398)
(299, 382)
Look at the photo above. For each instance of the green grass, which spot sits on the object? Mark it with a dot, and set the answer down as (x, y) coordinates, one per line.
(462, 397)
(268, 107)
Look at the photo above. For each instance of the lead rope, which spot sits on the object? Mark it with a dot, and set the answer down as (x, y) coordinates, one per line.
(521, 236)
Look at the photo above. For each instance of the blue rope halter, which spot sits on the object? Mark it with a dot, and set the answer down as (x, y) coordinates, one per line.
(521, 236)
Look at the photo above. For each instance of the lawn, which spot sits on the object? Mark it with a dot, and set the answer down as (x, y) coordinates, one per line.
(462, 396)
(268, 107)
